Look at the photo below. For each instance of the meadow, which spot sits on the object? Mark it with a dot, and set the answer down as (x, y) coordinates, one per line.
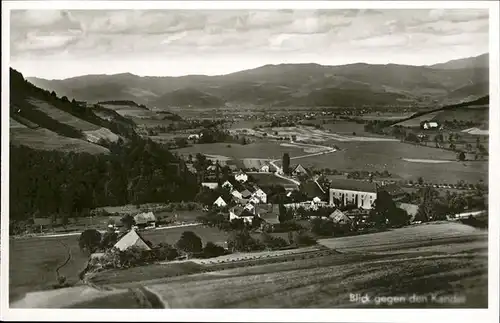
(47, 140)
(380, 156)
(62, 116)
(324, 281)
(268, 150)
(33, 260)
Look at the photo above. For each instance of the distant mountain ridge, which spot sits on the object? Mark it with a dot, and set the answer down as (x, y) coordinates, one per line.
(351, 85)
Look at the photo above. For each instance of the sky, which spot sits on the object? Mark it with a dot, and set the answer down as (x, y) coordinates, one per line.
(56, 44)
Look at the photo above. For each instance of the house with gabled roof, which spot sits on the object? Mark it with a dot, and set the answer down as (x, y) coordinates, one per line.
(260, 194)
(228, 185)
(241, 176)
(131, 238)
(145, 220)
(339, 217)
(312, 189)
(236, 194)
(300, 170)
(394, 190)
(220, 202)
(246, 213)
(246, 194)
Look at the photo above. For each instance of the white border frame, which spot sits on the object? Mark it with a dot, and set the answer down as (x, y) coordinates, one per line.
(296, 315)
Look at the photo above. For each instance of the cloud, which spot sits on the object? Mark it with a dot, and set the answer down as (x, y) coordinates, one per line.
(327, 36)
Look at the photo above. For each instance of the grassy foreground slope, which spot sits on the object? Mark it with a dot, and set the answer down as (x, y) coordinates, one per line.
(454, 269)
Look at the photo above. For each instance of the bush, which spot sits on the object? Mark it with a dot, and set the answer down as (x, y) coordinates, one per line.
(305, 239)
(212, 250)
(164, 251)
(242, 241)
(89, 241)
(189, 242)
(273, 243)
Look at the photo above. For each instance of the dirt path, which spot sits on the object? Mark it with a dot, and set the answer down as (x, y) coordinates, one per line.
(68, 249)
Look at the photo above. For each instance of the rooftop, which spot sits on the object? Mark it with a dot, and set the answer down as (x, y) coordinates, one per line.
(392, 189)
(353, 185)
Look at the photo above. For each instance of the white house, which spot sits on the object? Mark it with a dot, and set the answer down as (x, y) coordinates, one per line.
(241, 177)
(193, 137)
(236, 194)
(264, 169)
(228, 185)
(220, 202)
(430, 125)
(247, 213)
(261, 195)
(316, 200)
(359, 193)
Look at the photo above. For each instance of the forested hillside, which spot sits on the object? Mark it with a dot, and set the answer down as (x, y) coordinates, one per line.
(57, 184)
(61, 184)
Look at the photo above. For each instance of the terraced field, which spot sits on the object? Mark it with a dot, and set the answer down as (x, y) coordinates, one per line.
(47, 140)
(62, 116)
(92, 132)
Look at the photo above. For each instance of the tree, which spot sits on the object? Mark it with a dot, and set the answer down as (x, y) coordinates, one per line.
(411, 137)
(109, 239)
(128, 221)
(212, 250)
(89, 241)
(189, 242)
(284, 214)
(461, 156)
(420, 180)
(242, 241)
(181, 142)
(286, 163)
(426, 209)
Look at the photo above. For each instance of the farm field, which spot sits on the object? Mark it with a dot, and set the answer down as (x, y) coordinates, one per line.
(15, 124)
(386, 116)
(404, 237)
(92, 132)
(130, 111)
(246, 124)
(455, 268)
(267, 150)
(33, 261)
(62, 116)
(47, 140)
(389, 156)
(311, 134)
